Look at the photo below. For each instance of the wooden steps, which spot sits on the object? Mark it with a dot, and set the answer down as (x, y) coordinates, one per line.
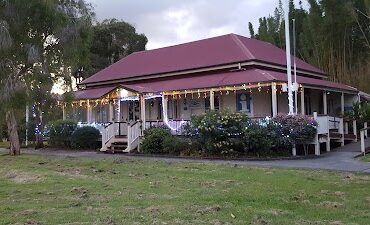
(349, 137)
(119, 144)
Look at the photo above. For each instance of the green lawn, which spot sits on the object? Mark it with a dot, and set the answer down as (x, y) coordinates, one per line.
(366, 158)
(50, 190)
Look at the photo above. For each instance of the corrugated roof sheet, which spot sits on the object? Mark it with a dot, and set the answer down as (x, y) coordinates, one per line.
(199, 54)
(227, 79)
(93, 93)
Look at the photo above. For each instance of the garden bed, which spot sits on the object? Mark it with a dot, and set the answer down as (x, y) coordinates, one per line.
(220, 158)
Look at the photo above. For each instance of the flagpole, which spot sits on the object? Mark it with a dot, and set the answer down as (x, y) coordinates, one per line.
(288, 59)
(295, 70)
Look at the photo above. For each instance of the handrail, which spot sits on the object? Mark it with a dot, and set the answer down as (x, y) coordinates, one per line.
(108, 124)
(134, 123)
(155, 121)
(362, 134)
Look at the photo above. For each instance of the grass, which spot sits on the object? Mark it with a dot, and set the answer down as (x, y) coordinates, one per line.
(366, 158)
(57, 190)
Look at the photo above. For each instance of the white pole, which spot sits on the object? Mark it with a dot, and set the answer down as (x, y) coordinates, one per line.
(295, 71)
(288, 59)
(27, 121)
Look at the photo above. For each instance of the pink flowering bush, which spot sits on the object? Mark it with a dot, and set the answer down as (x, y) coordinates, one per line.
(295, 129)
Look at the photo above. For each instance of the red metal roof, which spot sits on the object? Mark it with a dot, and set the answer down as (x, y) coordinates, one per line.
(227, 79)
(93, 93)
(199, 54)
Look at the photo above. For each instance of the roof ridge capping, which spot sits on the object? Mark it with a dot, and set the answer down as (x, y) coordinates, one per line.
(187, 43)
(241, 45)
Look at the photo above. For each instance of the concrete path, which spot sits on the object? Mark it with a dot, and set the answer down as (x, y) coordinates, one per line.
(340, 159)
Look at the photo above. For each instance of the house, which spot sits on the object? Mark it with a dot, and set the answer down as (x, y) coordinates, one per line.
(169, 85)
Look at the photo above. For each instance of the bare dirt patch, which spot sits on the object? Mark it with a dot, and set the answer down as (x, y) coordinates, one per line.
(21, 177)
(277, 212)
(260, 220)
(356, 178)
(330, 205)
(72, 172)
(209, 209)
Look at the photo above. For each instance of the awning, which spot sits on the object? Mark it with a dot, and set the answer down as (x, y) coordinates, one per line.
(252, 76)
(93, 93)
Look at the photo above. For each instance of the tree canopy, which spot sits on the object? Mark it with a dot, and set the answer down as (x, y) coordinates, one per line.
(112, 40)
(333, 35)
(40, 41)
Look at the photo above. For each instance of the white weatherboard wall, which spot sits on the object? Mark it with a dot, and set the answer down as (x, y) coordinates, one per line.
(316, 100)
(152, 109)
(261, 104)
(228, 102)
(334, 103)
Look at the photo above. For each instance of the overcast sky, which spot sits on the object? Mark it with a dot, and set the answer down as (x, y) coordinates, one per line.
(169, 22)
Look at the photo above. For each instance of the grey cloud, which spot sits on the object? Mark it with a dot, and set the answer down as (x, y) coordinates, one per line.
(168, 22)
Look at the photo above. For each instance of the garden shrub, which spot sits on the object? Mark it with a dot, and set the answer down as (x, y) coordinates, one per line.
(216, 130)
(259, 136)
(174, 145)
(295, 129)
(60, 132)
(85, 138)
(153, 140)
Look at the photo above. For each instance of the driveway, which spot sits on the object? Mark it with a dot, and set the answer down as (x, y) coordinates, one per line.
(341, 159)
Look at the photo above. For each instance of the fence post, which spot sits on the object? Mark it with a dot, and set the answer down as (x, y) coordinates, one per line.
(317, 144)
(355, 130)
(362, 134)
(365, 127)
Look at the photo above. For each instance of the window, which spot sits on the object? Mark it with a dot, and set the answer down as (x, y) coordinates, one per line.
(243, 102)
(208, 103)
(101, 113)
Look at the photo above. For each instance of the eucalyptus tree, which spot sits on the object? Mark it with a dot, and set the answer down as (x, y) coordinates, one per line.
(112, 40)
(38, 41)
(334, 35)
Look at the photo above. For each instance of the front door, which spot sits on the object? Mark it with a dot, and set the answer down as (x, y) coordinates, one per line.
(133, 111)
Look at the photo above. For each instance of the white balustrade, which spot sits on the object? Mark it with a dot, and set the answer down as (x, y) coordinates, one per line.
(175, 126)
(133, 135)
(323, 124)
(362, 136)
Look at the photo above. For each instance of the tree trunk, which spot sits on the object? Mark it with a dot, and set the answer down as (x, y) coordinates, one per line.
(13, 133)
(40, 131)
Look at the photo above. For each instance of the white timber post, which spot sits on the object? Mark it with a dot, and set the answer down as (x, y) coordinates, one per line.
(365, 127)
(317, 143)
(342, 112)
(302, 102)
(362, 134)
(27, 121)
(64, 112)
(325, 102)
(118, 113)
(274, 100)
(165, 108)
(111, 112)
(212, 100)
(142, 111)
(328, 148)
(89, 112)
(346, 127)
(294, 150)
(342, 103)
(355, 130)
